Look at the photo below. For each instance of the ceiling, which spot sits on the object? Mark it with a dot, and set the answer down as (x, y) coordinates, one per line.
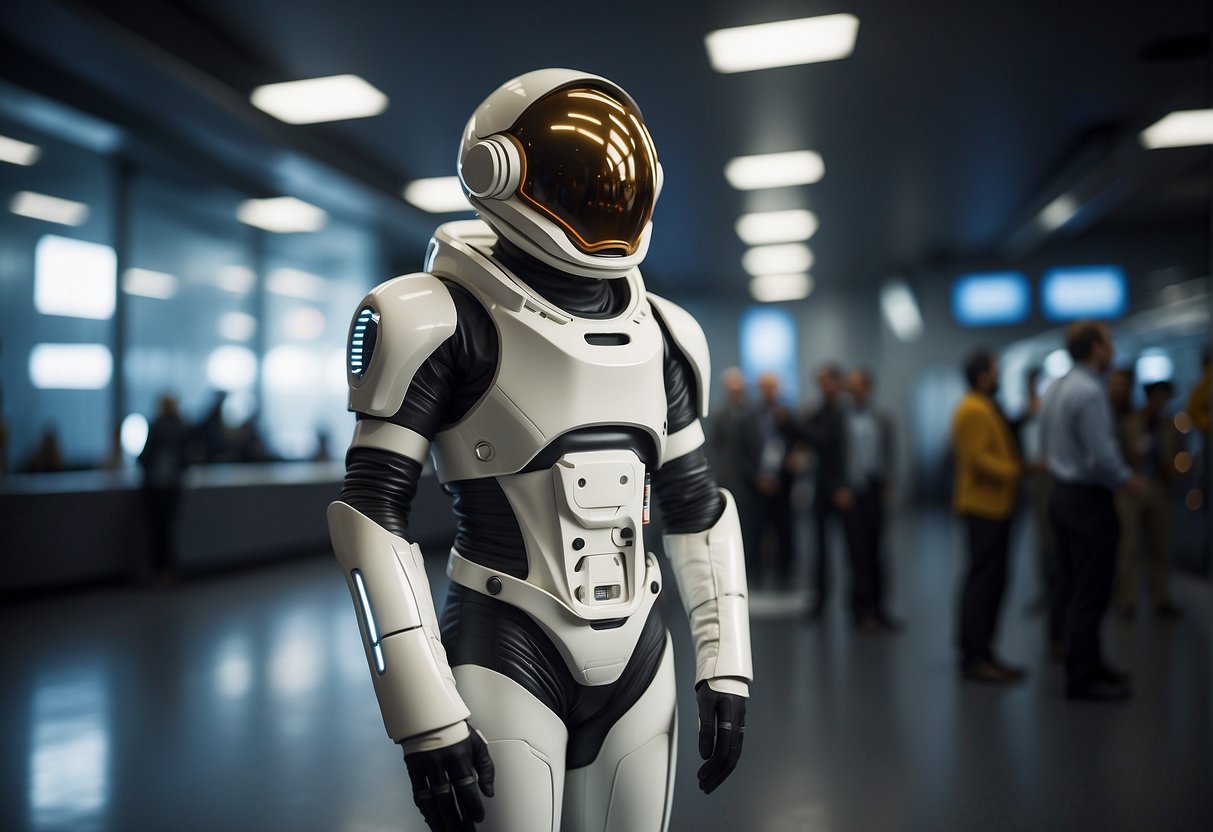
(943, 135)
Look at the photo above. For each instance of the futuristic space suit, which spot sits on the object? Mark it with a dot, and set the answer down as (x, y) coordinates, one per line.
(554, 394)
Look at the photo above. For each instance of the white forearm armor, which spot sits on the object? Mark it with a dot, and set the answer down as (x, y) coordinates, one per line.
(709, 567)
(408, 664)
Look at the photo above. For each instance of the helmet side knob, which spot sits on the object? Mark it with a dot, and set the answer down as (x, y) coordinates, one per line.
(492, 168)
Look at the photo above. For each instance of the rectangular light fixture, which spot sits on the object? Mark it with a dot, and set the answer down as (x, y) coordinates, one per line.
(991, 299)
(1057, 213)
(774, 170)
(149, 284)
(49, 208)
(312, 100)
(782, 43)
(282, 215)
(295, 283)
(901, 311)
(1183, 128)
(17, 152)
(776, 227)
(74, 278)
(439, 195)
(789, 258)
(70, 366)
(774, 288)
(1069, 293)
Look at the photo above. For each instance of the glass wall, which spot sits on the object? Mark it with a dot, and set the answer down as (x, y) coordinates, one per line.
(121, 284)
(313, 285)
(57, 302)
(190, 317)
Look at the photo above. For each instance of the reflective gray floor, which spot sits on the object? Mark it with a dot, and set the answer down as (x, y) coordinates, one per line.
(242, 702)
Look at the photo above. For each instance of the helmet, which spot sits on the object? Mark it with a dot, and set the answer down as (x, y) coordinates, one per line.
(559, 162)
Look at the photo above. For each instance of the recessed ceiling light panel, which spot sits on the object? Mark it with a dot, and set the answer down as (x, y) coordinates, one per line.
(335, 98)
(439, 195)
(782, 43)
(790, 258)
(768, 227)
(775, 170)
(17, 152)
(1183, 128)
(49, 208)
(282, 215)
(775, 288)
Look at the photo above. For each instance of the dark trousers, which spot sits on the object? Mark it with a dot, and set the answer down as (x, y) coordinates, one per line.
(984, 584)
(161, 507)
(819, 571)
(1084, 519)
(864, 523)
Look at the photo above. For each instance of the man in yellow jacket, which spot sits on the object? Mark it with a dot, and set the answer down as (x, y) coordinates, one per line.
(988, 469)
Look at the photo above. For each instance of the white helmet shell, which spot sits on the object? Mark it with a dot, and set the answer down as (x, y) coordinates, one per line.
(513, 184)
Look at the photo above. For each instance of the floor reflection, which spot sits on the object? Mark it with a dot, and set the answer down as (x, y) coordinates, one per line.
(69, 763)
(243, 702)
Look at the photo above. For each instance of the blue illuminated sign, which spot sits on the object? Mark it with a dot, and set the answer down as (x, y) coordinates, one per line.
(768, 345)
(1071, 292)
(991, 299)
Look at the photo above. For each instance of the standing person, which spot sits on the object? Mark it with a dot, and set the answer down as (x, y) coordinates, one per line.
(731, 451)
(868, 471)
(163, 461)
(986, 487)
(1080, 445)
(1153, 442)
(771, 432)
(826, 433)
(1040, 486)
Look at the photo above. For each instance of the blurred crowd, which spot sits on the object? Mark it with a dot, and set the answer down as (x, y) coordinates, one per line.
(1095, 475)
(764, 451)
(1088, 473)
(209, 439)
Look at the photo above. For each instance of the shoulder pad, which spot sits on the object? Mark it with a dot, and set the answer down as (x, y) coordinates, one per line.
(688, 337)
(398, 326)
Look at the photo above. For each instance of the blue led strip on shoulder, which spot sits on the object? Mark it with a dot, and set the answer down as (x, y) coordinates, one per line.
(368, 620)
(362, 341)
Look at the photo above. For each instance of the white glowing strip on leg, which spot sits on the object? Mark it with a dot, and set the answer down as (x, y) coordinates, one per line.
(372, 634)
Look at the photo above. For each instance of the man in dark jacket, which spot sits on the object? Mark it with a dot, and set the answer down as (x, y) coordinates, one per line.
(825, 431)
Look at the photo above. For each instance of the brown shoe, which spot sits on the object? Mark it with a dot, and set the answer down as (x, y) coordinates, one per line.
(991, 673)
(1013, 673)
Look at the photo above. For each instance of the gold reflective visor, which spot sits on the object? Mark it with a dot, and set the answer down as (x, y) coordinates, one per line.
(589, 166)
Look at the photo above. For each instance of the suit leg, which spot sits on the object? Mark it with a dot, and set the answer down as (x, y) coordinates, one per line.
(630, 785)
(527, 742)
(820, 570)
(1158, 565)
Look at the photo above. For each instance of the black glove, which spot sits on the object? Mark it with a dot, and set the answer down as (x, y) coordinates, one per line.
(445, 781)
(721, 730)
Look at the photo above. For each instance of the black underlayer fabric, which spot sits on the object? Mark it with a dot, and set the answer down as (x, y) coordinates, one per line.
(687, 493)
(487, 531)
(381, 485)
(585, 297)
(456, 375)
(478, 629)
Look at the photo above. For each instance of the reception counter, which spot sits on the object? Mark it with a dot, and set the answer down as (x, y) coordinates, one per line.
(85, 526)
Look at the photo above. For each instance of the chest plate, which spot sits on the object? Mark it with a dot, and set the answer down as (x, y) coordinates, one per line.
(556, 373)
